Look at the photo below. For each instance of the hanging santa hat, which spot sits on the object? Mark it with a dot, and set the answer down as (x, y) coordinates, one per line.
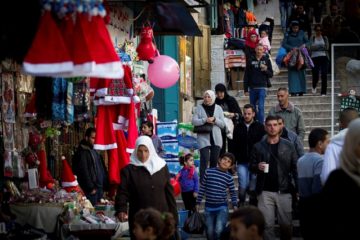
(48, 53)
(68, 179)
(84, 62)
(108, 64)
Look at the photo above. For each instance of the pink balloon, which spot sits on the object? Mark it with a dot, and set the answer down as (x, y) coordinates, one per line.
(164, 72)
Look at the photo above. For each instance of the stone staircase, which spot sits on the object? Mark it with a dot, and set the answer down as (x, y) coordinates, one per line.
(316, 109)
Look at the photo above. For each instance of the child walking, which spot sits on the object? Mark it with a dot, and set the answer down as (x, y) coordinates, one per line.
(150, 224)
(214, 187)
(189, 182)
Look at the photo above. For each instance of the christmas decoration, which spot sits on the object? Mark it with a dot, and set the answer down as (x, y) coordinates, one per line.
(146, 49)
(164, 72)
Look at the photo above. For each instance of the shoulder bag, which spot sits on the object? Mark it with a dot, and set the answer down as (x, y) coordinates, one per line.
(205, 128)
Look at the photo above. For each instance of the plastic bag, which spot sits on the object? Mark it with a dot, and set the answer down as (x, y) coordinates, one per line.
(274, 66)
(176, 186)
(194, 224)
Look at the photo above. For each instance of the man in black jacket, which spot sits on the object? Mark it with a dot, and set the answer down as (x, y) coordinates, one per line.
(89, 168)
(256, 79)
(274, 160)
(246, 133)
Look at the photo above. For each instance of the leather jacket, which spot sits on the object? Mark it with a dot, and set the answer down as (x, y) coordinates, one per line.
(286, 164)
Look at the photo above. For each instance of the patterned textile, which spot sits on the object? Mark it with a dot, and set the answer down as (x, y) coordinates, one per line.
(117, 88)
(59, 99)
(350, 102)
(81, 100)
(69, 103)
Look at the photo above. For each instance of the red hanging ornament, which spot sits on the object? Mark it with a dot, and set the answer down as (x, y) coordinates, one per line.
(146, 49)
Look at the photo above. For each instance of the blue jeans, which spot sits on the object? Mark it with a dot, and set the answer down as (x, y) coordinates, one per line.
(246, 180)
(215, 222)
(285, 12)
(257, 98)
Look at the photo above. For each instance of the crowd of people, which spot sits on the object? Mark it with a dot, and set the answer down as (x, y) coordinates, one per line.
(267, 151)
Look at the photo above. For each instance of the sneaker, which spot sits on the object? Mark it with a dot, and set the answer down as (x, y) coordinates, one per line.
(323, 95)
(313, 90)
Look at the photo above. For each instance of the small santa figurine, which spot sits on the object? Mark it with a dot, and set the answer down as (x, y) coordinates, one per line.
(68, 179)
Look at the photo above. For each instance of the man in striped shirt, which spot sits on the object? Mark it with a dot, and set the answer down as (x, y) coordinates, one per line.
(214, 187)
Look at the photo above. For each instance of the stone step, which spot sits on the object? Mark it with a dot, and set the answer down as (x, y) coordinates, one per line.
(275, 86)
(317, 121)
(297, 100)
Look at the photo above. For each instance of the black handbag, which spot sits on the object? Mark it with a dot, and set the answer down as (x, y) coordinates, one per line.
(206, 128)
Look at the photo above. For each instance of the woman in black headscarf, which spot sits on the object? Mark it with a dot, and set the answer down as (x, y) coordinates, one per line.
(231, 110)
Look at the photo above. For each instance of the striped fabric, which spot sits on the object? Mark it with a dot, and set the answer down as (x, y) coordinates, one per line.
(214, 186)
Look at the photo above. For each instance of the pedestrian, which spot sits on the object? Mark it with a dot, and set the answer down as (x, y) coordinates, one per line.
(309, 168)
(150, 224)
(257, 76)
(274, 159)
(332, 213)
(89, 167)
(332, 153)
(319, 46)
(291, 114)
(210, 143)
(296, 141)
(294, 41)
(286, 7)
(331, 24)
(145, 182)
(247, 133)
(251, 40)
(290, 136)
(147, 128)
(214, 188)
(247, 223)
(301, 17)
(189, 182)
(231, 110)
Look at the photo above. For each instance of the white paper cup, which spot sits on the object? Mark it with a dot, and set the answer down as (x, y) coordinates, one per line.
(266, 168)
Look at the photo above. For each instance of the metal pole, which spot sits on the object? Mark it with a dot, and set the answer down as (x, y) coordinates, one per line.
(332, 90)
(333, 79)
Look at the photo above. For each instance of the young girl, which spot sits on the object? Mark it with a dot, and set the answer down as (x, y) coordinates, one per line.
(150, 224)
(147, 128)
(189, 181)
(264, 40)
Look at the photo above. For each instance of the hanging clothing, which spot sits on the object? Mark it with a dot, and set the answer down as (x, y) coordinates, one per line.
(59, 99)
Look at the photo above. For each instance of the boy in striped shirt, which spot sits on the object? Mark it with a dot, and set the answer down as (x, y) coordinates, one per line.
(214, 187)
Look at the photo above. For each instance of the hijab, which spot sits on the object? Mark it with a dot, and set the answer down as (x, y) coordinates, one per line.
(248, 41)
(349, 162)
(209, 109)
(154, 162)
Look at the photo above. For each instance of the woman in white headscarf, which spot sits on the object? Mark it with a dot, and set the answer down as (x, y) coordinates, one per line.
(209, 143)
(145, 182)
(335, 211)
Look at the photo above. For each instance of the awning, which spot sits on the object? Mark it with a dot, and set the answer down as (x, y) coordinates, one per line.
(173, 18)
(168, 17)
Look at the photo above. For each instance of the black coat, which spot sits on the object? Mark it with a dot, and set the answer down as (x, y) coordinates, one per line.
(141, 190)
(286, 167)
(334, 212)
(244, 139)
(84, 167)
